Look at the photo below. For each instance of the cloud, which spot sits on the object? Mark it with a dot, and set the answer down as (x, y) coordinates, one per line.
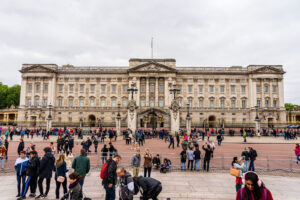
(196, 33)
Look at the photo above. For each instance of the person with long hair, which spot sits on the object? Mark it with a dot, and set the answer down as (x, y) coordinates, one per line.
(254, 188)
(75, 191)
(60, 168)
(240, 165)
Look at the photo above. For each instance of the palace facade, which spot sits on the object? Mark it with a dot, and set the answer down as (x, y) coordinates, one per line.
(89, 96)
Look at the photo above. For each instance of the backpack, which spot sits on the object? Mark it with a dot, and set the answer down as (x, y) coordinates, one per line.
(104, 171)
(184, 156)
(265, 193)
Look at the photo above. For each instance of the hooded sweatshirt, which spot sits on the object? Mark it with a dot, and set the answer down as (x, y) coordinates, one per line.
(21, 166)
(46, 165)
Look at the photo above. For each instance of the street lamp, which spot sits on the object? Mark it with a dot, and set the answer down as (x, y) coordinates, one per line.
(256, 118)
(188, 111)
(50, 109)
(132, 90)
(118, 115)
(174, 90)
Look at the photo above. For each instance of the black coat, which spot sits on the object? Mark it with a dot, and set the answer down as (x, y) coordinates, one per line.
(46, 165)
(208, 152)
(33, 167)
(111, 173)
(20, 147)
(148, 186)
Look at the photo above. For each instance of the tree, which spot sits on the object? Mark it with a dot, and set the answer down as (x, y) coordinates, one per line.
(290, 106)
(9, 95)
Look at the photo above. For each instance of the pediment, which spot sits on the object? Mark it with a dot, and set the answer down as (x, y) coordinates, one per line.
(152, 67)
(37, 68)
(268, 70)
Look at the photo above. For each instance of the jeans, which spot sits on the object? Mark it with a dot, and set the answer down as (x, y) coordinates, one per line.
(110, 192)
(149, 171)
(19, 179)
(81, 182)
(40, 183)
(219, 142)
(3, 162)
(190, 162)
(104, 159)
(183, 165)
(197, 163)
(246, 165)
(297, 159)
(206, 164)
(64, 185)
(251, 166)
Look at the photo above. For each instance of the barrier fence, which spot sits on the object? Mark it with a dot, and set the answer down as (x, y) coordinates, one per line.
(263, 163)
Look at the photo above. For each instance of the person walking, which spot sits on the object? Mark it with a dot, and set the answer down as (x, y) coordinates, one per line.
(60, 169)
(104, 152)
(2, 155)
(171, 142)
(32, 174)
(197, 156)
(219, 138)
(136, 162)
(126, 184)
(252, 156)
(207, 156)
(81, 165)
(239, 165)
(45, 172)
(245, 136)
(297, 153)
(183, 159)
(21, 146)
(75, 191)
(109, 182)
(177, 138)
(151, 187)
(254, 188)
(190, 155)
(147, 163)
(96, 145)
(245, 155)
(20, 167)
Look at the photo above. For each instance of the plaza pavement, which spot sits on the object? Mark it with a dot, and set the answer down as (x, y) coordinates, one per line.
(178, 186)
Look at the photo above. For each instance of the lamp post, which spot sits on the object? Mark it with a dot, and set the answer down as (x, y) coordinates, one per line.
(257, 120)
(49, 119)
(174, 90)
(118, 124)
(188, 120)
(132, 90)
(81, 120)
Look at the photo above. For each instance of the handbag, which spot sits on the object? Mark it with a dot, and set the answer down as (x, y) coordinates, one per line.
(234, 172)
(60, 179)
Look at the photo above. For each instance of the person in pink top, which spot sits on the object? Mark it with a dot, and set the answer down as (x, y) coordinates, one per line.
(297, 153)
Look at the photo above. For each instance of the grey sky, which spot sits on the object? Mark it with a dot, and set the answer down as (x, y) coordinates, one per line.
(195, 33)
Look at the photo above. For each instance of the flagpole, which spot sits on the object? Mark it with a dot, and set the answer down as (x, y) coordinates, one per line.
(152, 47)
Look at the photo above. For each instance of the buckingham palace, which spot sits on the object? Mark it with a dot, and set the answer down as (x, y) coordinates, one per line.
(94, 95)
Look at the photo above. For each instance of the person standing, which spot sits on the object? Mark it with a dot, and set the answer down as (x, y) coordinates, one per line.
(21, 146)
(190, 155)
(197, 156)
(171, 141)
(252, 156)
(96, 145)
(20, 167)
(297, 153)
(245, 155)
(219, 138)
(109, 182)
(45, 172)
(245, 136)
(207, 156)
(81, 165)
(126, 184)
(32, 174)
(136, 162)
(183, 159)
(177, 138)
(147, 163)
(2, 155)
(239, 165)
(104, 152)
(60, 169)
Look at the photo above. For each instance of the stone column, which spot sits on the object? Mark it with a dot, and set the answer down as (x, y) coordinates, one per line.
(23, 92)
(156, 92)
(175, 117)
(138, 92)
(118, 125)
(281, 93)
(32, 94)
(188, 125)
(166, 93)
(147, 91)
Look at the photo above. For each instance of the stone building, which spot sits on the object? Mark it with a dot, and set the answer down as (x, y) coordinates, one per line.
(89, 96)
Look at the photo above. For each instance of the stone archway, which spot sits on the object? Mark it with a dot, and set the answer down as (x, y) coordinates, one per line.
(92, 120)
(212, 121)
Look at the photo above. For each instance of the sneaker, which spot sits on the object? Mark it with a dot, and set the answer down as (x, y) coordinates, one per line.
(40, 197)
(20, 198)
(18, 195)
(32, 195)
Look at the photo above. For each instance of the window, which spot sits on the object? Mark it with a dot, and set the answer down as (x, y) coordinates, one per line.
(92, 103)
(258, 89)
(161, 88)
(211, 88)
(180, 103)
(124, 103)
(143, 103)
(59, 102)
(233, 120)
(81, 87)
(222, 89)
(124, 88)
(142, 88)
(274, 103)
(152, 88)
(71, 88)
(267, 103)
(60, 88)
(232, 87)
(211, 103)
(70, 119)
(59, 119)
(70, 102)
(29, 88)
(200, 88)
(274, 89)
(46, 87)
(45, 103)
(243, 89)
(81, 103)
(38, 88)
(243, 103)
(102, 103)
(113, 88)
(29, 102)
(190, 103)
(258, 103)
(37, 103)
(103, 88)
(161, 103)
(266, 88)
(201, 103)
(179, 88)
(233, 103)
(152, 103)
(113, 103)
(222, 103)
(190, 88)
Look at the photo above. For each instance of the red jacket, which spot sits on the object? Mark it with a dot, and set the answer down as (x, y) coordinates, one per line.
(242, 197)
(297, 150)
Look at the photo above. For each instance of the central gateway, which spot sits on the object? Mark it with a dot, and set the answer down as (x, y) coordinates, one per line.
(153, 118)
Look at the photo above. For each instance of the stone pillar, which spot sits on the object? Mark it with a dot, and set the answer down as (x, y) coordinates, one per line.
(175, 117)
(23, 92)
(138, 92)
(188, 125)
(32, 94)
(147, 91)
(257, 126)
(131, 115)
(166, 93)
(281, 94)
(156, 92)
(118, 125)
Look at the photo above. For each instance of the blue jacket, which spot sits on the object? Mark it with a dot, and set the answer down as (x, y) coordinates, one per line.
(21, 166)
(61, 171)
